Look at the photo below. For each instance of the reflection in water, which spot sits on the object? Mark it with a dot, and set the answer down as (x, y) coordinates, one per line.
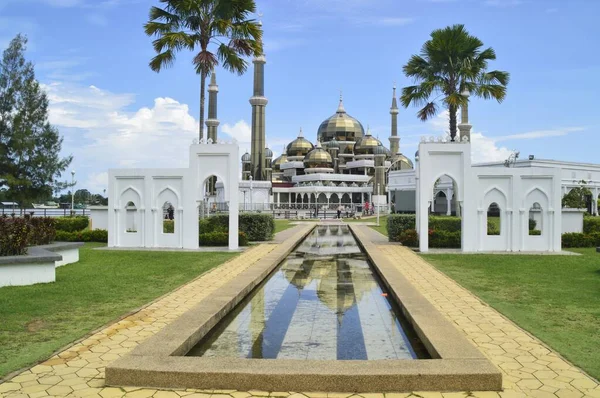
(324, 302)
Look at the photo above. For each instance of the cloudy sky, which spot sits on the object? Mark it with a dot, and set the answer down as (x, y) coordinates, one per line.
(92, 57)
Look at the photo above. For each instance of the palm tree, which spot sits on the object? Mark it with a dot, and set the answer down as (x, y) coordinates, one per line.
(196, 25)
(450, 63)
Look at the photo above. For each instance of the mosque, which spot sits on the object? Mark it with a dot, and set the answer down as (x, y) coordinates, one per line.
(348, 166)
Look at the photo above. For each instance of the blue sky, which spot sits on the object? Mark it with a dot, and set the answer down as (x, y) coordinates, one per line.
(92, 57)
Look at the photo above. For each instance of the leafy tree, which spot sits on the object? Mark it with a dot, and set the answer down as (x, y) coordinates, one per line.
(450, 63)
(30, 161)
(578, 197)
(197, 24)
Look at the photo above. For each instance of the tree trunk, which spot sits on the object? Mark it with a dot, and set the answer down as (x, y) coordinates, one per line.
(452, 109)
(202, 98)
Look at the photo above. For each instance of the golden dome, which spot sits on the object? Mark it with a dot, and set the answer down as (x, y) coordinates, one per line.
(341, 127)
(401, 162)
(366, 145)
(318, 158)
(300, 146)
(278, 161)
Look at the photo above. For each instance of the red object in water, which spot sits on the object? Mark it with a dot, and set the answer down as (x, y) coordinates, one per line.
(384, 294)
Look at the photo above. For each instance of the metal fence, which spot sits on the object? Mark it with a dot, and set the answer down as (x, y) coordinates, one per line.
(45, 212)
(284, 211)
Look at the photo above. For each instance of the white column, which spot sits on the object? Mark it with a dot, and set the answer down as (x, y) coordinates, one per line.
(448, 203)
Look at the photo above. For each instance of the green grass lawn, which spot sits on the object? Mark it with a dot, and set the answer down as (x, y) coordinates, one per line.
(37, 320)
(282, 225)
(556, 298)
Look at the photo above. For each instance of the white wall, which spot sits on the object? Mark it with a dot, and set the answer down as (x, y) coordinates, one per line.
(149, 189)
(99, 217)
(515, 190)
(572, 220)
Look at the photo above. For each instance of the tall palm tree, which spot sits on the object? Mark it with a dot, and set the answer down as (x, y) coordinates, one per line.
(196, 25)
(450, 63)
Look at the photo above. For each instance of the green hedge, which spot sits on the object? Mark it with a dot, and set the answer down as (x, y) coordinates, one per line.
(96, 235)
(398, 223)
(17, 233)
(409, 238)
(591, 225)
(72, 224)
(220, 239)
(256, 227)
(168, 226)
(577, 239)
(449, 224)
(444, 239)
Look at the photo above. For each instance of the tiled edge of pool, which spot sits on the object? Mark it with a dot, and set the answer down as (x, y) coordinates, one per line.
(160, 361)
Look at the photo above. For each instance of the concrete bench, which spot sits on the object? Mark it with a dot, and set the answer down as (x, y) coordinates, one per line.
(38, 265)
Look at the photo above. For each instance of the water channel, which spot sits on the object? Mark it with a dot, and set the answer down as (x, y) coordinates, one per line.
(323, 302)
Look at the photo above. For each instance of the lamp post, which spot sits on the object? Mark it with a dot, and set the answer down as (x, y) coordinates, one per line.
(72, 192)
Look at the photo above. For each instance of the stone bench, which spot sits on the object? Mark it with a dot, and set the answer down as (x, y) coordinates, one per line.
(38, 265)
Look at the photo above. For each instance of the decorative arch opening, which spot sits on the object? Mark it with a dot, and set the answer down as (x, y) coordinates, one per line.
(168, 217)
(131, 218)
(445, 224)
(536, 220)
(213, 197)
(493, 221)
(334, 199)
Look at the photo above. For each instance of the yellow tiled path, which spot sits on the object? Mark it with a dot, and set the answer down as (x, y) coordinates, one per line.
(530, 369)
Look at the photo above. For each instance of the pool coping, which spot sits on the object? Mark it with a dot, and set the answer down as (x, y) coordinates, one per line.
(160, 362)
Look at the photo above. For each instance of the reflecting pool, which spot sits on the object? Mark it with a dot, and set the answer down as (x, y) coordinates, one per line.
(323, 302)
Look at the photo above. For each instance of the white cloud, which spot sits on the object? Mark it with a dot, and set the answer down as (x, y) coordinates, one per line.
(96, 182)
(484, 149)
(241, 131)
(540, 134)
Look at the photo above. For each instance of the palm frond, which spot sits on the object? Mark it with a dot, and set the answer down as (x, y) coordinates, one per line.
(491, 91)
(231, 60)
(162, 60)
(429, 110)
(205, 62)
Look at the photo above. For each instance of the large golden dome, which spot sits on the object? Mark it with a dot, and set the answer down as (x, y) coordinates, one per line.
(300, 146)
(366, 145)
(401, 162)
(341, 127)
(318, 158)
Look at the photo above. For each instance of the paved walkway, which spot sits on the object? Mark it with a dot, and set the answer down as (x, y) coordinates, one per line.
(530, 369)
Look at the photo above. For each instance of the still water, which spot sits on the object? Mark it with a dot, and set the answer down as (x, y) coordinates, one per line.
(323, 302)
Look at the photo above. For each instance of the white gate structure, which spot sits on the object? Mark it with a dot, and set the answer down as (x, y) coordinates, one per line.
(138, 199)
(513, 192)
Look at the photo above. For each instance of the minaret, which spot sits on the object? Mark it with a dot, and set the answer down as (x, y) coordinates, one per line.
(212, 122)
(464, 127)
(259, 103)
(394, 139)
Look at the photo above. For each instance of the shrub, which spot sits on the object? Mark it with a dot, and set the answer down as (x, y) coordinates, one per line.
(591, 225)
(409, 238)
(168, 226)
(444, 239)
(533, 232)
(72, 224)
(95, 235)
(492, 229)
(256, 227)
(220, 239)
(532, 224)
(398, 223)
(42, 230)
(14, 235)
(449, 224)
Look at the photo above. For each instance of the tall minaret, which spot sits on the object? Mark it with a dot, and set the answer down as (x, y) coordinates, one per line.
(259, 103)
(464, 127)
(212, 122)
(394, 139)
